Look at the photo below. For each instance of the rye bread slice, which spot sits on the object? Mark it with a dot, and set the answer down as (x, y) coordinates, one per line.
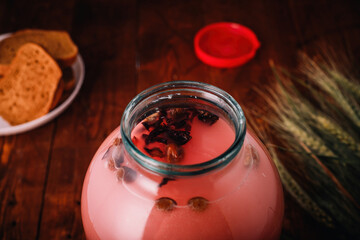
(28, 87)
(57, 43)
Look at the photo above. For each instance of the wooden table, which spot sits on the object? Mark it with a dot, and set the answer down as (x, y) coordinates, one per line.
(128, 46)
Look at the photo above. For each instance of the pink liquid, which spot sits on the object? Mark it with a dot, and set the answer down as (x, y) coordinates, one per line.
(207, 142)
(244, 199)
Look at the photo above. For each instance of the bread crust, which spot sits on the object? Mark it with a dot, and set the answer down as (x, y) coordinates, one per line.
(58, 94)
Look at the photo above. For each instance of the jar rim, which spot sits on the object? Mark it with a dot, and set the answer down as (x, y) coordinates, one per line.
(177, 170)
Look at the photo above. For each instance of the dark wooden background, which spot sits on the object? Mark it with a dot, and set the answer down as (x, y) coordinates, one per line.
(128, 46)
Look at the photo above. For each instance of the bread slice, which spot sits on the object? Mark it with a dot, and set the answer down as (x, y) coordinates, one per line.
(27, 89)
(57, 43)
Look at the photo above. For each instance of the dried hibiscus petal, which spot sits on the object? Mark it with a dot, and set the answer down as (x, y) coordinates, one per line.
(179, 137)
(198, 204)
(154, 133)
(192, 113)
(154, 152)
(160, 140)
(152, 120)
(178, 124)
(171, 126)
(207, 117)
(174, 153)
(176, 113)
(183, 124)
(165, 180)
(134, 140)
(165, 204)
(187, 127)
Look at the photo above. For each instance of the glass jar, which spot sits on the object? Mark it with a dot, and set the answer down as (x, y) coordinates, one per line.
(235, 195)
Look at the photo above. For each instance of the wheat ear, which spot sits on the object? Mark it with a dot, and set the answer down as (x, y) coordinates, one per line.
(299, 194)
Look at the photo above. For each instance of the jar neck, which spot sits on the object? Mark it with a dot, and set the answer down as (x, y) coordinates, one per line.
(178, 93)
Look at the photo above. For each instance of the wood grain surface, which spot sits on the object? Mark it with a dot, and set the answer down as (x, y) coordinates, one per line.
(127, 47)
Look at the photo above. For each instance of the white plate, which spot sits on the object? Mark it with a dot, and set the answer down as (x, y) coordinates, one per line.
(79, 73)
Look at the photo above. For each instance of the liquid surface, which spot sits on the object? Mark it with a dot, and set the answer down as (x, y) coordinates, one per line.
(183, 136)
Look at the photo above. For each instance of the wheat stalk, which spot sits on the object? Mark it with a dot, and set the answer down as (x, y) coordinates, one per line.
(317, 120)
(328, 152)
(326, 125)
(290, 184)
(299, 194)
(289, 123)
(310, 139)
(319, 77)
(349, 86)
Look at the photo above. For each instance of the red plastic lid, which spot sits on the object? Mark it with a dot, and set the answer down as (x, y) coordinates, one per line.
(225, 44)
